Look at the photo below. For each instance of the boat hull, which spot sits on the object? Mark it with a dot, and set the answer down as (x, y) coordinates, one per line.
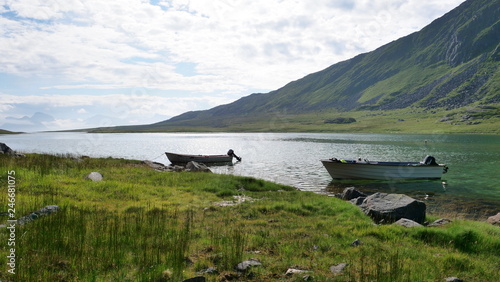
(382, 170)
(206, 159)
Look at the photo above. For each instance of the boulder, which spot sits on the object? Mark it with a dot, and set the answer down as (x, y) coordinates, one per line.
(350, 193)
(245, 265)
(407, 223)
(94, 176)
(495, 220)
(4, 149)
(389, 208)
(194, 166)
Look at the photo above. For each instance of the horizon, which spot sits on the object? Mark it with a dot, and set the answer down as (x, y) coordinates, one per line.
(73, 64)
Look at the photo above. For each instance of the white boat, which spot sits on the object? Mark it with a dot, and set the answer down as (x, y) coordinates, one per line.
(364, 169)
(205, 159)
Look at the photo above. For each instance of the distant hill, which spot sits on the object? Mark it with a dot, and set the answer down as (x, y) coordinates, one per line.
(450, 64)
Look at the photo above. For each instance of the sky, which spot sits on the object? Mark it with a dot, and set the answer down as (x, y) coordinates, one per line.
(70, 64)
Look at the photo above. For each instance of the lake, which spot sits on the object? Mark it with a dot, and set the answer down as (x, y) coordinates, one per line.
(471, 188)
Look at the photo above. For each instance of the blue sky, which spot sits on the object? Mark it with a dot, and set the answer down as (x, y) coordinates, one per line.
(91, 63)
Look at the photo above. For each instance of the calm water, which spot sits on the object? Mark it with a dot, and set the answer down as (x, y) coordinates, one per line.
(471, 187)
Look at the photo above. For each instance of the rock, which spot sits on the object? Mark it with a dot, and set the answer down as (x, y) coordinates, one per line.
(388, 208)
(357, 201)
(245, 265)
(194, 166)
(293, 271)
(156, 166)
(407, 223)
(350, 193)
(356, 243)
(439, 222)
(4, 149)
(94, 176)
(37, 214)
(453, 279)
(495, 220)
(337, 269)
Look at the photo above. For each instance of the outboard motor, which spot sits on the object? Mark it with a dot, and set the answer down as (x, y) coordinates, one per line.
(429, 160)
(232, 154)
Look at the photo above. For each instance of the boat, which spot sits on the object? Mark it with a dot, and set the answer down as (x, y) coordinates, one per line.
(364, 169)
(182, 159)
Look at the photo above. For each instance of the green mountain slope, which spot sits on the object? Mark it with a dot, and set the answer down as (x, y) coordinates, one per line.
(450, 64)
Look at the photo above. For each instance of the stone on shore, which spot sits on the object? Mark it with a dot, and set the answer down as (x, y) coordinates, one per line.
(350, 193)
(194, 166)
(389, 208)
(407, 223)
(245, 265)
(495, 220)
(4, 149)
(94, 176)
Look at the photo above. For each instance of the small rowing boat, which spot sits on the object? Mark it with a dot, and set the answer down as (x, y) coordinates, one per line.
(364, 169)
(182, 159)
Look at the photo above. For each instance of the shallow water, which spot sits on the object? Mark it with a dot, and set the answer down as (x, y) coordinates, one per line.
(471, 187)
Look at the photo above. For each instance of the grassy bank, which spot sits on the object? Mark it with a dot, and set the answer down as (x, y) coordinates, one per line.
(142, 225)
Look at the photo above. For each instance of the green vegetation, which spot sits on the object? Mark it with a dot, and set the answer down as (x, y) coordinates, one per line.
(142, 225)
(3, 131)
(472, 119)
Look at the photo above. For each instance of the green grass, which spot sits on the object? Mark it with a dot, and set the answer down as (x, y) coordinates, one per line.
(143, 225)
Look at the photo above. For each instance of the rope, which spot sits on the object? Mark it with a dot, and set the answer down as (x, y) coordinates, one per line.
(157, 157)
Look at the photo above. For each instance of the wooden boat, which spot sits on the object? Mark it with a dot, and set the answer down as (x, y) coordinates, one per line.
(363, 169)
(205, 159)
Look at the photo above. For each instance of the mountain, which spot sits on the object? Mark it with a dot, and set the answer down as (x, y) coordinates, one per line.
(26, 123)
(450, 64)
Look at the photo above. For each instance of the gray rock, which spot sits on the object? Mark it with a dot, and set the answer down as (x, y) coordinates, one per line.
(350, 193)
(407, 223)
(293, 271)
(245, 265)
(4, 149)
(495, 220)
(37, 214)
(388, 208)
(194, 166)
(439, 222)
(94, 176)
(357, 201)
(339, 268)
(356, 243)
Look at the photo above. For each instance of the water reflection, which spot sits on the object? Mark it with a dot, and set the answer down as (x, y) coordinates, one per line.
(418, 189)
